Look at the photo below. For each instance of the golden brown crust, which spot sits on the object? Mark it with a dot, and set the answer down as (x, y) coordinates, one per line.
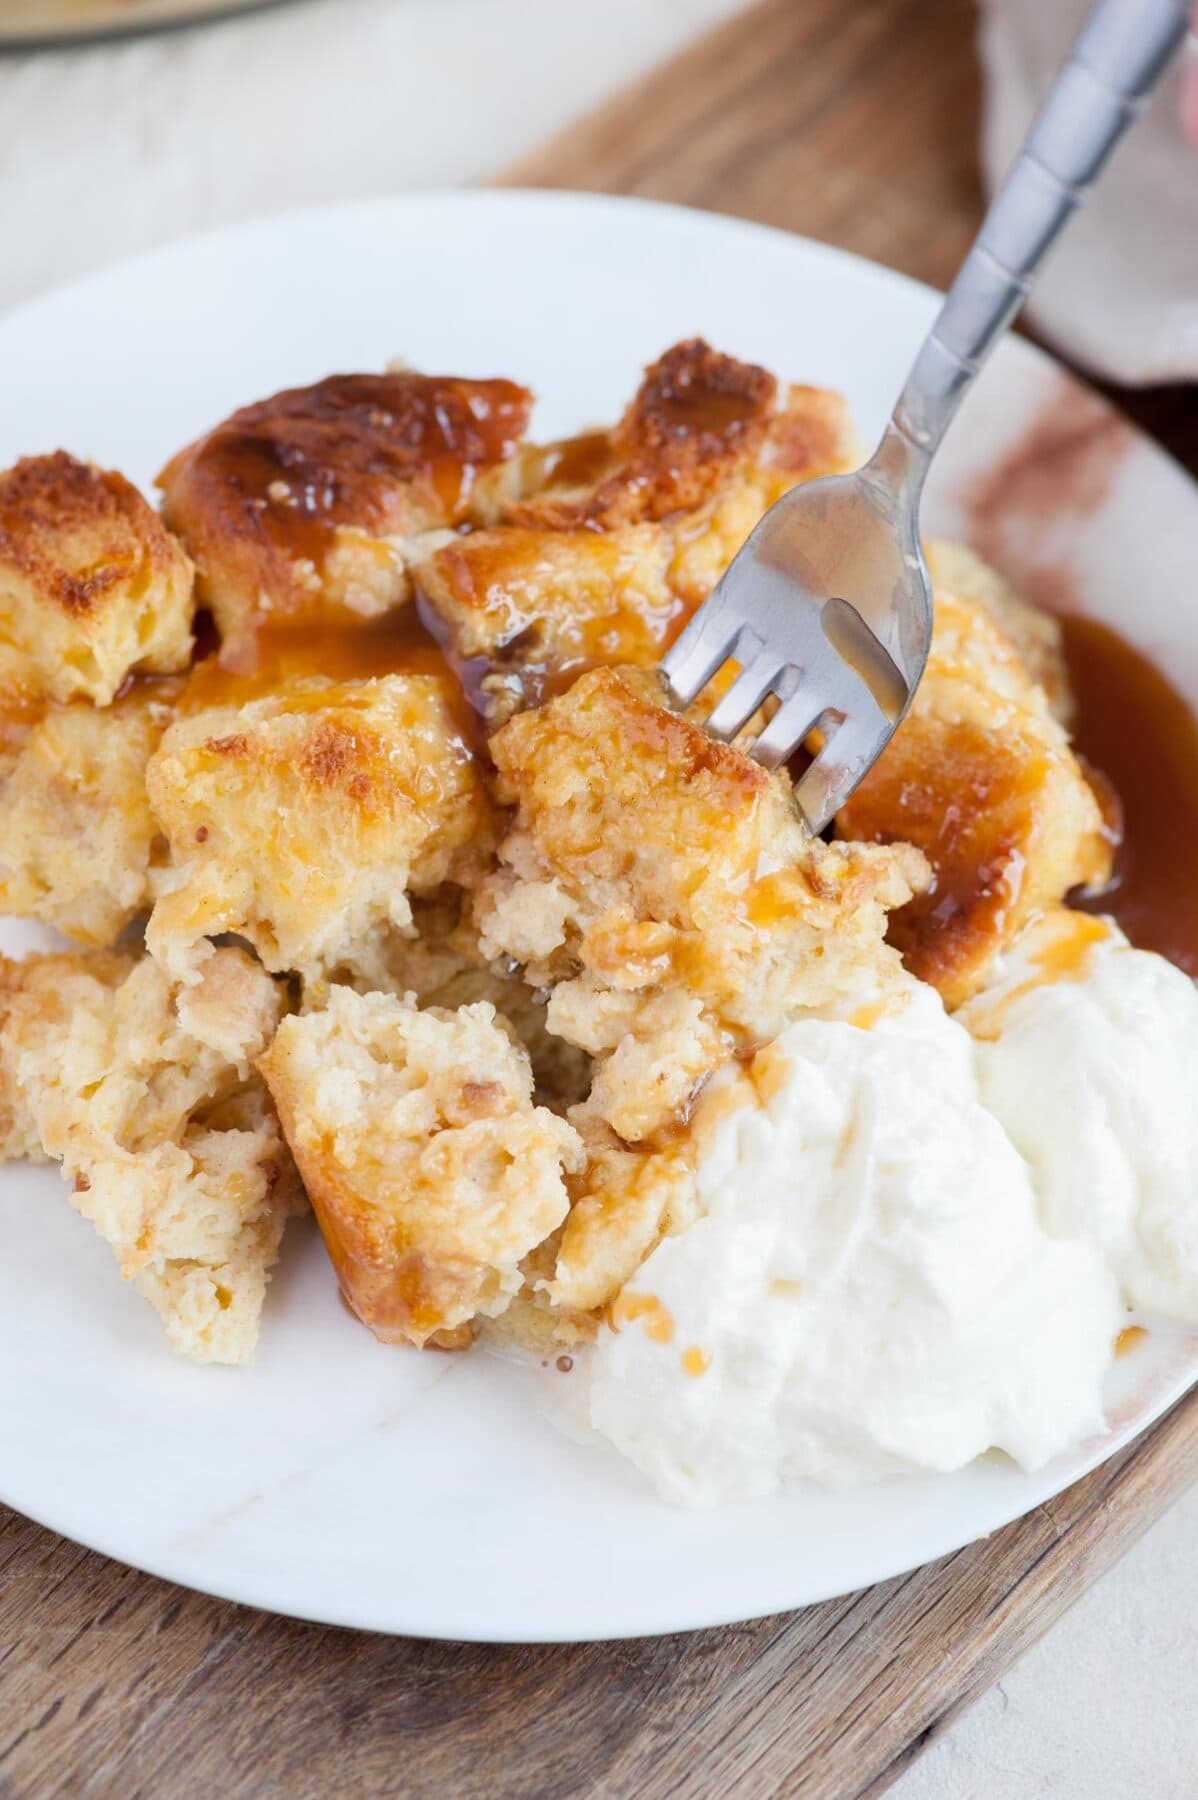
(595, 551)
(522, 611)
(656, 906)
(301, 820)
(1034, 636)
(298, 505)
(92, 585)
(981, 777)
(432, 1173)
(696, 418)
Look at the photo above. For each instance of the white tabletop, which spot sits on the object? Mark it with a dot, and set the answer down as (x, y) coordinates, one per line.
(106, 150)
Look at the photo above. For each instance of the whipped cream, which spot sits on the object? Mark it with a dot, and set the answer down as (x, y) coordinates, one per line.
(1087, 1052)
(869, 1290)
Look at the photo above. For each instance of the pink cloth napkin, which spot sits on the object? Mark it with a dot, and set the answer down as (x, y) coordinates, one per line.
(1121, 292)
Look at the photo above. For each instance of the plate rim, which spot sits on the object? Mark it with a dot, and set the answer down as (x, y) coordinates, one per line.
(464, 1630)
(565, 199)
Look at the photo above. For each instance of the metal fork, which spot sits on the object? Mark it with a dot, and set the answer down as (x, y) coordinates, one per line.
(828, 606)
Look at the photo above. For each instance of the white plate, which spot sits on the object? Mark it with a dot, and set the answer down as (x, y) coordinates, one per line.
(434, 1495)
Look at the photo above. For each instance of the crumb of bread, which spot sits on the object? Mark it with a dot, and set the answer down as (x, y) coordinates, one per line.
(652, 1050)
(442, 965)
(148, 1100)
(301, 821)
(646, 860)
(92, 585)
(431, 1171)
(534, 1320)
(623, 1202)
(79, 846)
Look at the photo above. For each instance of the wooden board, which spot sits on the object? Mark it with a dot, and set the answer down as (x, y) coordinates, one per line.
(852, 121)
(113, 1684)
(855, 123)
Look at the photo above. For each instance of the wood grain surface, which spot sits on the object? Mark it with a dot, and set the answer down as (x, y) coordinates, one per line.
(852, 121)
(855, 123)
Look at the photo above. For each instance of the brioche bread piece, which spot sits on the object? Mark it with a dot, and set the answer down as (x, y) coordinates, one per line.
(980, 775)
(300, 506)
(148, 1099)
(697, 419)
(79, 846)
(597, 549)
(302, 820)
(646, 860)
(624, 1201)
(432, 1173)
(1034, 635)
(92, 585)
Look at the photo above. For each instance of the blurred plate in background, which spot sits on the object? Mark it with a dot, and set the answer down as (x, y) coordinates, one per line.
(28, 23)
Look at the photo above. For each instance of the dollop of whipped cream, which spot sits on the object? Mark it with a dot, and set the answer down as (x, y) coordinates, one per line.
(869, 1289)
(1087, 1053)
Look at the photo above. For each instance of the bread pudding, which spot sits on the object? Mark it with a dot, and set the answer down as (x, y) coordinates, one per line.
(80, 847)
(301, 506)
(302, 820)
(93, 588)
(597, 550)
(432, 1171)
(149, 1098)
(401, 885)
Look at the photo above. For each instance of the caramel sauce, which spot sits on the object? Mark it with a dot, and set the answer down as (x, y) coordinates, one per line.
(627, 1308)
(690, 410)
(576, 462)
(1128, 1338)
(1135, 728)
(1063, 954)
(1066, 955)
(353, 449)
(341, 648)
(962, 795)
(349, 650)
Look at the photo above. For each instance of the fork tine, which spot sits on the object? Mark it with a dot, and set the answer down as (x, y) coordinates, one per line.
(789, 726)
(744, 696)
(695, 656)
(850, 749)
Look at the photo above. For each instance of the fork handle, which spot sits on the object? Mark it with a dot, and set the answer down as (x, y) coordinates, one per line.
(1122, 52)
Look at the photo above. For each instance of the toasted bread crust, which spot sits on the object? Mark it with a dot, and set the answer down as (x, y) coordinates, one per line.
(981, 777)
(432, 1172)
(600, 899)
(92, 585)
(298, 505)
(596, 550)
(695, 419)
